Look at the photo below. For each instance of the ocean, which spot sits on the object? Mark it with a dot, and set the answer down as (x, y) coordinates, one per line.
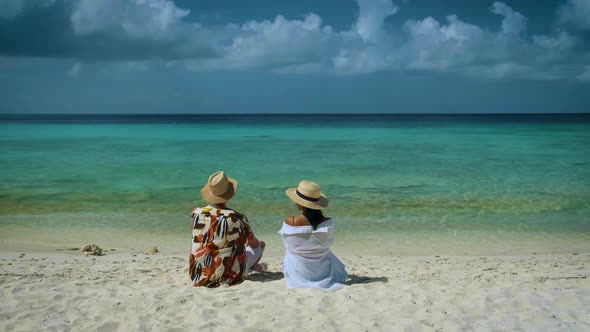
(397, 184)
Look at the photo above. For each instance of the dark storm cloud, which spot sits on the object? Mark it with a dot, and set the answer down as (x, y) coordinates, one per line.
(50, 31)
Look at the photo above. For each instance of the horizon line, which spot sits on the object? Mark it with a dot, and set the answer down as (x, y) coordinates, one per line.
(273, 114)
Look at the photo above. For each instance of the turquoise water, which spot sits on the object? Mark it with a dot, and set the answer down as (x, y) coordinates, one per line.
(383, 175)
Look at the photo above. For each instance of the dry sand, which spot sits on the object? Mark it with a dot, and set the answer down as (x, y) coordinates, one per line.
(140, 292)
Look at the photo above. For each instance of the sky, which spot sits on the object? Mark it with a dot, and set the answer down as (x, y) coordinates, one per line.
(283, 56)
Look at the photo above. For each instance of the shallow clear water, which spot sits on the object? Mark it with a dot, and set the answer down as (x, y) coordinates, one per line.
(446, 175)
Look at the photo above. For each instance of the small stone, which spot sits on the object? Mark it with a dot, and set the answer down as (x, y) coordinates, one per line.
(91, 249)
(152, 250)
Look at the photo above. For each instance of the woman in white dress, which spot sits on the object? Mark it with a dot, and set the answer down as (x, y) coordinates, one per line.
(309, 262)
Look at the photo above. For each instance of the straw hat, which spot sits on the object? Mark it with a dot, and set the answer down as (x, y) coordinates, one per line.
(219, 188)
(308, 194)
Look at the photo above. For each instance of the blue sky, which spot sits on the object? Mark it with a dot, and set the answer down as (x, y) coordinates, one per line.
(273, 56)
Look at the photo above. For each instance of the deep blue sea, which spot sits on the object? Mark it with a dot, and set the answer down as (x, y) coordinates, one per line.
(489, 183)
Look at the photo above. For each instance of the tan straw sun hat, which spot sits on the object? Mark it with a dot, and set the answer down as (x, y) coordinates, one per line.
(219, 188)
(308, 194)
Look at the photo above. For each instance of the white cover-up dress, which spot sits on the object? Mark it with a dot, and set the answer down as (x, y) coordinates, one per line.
(309, 262)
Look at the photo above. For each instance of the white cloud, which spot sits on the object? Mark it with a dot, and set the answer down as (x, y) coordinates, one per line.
(557, 50)
(363, 60)
(562, 41)
(367, 46)
(75, 70)
(301, 46)
(455, 47)
(575, 13)
(431, 31)
(273, 45)
(136, 18)
(500, 71)
(585, 76)
(372, 14)
(137, 30)
(513, 22)
(434, 46)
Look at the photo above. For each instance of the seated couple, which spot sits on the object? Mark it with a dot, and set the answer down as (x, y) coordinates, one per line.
(224, 248)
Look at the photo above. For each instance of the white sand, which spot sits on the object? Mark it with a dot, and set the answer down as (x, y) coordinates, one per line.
(130, 292)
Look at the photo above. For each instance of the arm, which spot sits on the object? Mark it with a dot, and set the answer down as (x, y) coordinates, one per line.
(252, 240)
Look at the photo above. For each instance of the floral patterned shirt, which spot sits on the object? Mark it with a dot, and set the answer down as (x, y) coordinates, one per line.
(218, 253)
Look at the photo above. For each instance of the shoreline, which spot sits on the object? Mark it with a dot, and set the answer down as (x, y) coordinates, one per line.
(137, 291)
(32, 240)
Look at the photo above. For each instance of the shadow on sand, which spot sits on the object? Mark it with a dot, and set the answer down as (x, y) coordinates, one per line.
(263, 276)
(354, 279)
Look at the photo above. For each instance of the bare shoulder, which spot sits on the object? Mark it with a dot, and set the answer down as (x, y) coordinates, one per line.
(298, 220)
(290, 220)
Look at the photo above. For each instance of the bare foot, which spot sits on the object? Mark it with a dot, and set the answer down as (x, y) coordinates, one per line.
(260, 267)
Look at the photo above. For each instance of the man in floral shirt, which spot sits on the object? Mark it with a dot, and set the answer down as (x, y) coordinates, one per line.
(224, 247)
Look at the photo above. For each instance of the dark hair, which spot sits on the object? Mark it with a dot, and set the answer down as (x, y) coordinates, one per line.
(315, 217)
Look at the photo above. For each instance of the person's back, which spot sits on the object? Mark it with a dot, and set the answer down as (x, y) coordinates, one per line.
(223, 245)
(309, 262)
(218, 247)
(304, 241)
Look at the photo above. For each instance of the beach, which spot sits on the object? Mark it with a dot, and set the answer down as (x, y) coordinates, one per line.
(136, 291)
(444, 223)
(440, 151)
